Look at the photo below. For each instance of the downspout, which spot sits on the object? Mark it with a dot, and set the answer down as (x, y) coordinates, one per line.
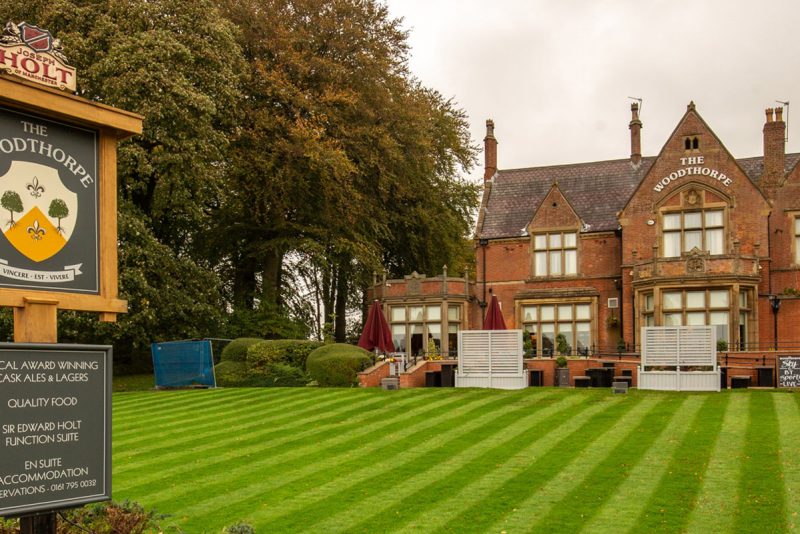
(775, 304)
(620, 282)
(484, 243)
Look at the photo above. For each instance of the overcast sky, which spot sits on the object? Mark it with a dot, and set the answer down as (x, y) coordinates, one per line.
(555, 75)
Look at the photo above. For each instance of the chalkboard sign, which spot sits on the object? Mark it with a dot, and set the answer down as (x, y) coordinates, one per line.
(789, 371)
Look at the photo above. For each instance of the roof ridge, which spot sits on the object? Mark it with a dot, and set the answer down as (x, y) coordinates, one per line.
(620, 160)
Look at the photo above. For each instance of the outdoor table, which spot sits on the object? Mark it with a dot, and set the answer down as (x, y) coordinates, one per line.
(597, 374)
(765, 376)
(433, 379)
(740, 381)
(449, 375)
(627, 379)
(582, 381)
(536, 377)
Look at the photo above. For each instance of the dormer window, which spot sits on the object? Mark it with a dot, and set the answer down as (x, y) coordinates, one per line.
(686, 230)
(555, 254)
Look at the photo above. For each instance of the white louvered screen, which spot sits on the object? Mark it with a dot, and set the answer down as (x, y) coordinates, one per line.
(673, 346)
(490, 352)
(473, 353)
(506, 352)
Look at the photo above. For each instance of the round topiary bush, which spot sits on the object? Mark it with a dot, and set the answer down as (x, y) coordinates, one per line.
(236, 350)
(292, 352)
(337, 365)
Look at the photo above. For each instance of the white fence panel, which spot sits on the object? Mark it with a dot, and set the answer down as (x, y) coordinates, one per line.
(680, 348)
(490, 358)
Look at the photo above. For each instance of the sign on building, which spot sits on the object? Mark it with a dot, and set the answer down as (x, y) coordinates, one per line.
(55, 430)
(32, 54)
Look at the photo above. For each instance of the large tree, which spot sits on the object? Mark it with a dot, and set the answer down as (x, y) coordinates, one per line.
(343, 156)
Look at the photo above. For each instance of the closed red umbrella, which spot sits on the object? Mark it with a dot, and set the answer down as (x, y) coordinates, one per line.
(376, 334)
(494, 316)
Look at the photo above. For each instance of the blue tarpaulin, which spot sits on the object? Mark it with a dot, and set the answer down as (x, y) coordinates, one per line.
(183, 363)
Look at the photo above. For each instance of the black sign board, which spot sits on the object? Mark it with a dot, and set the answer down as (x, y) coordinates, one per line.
(789, 371)
(48, 204)
(55, 426)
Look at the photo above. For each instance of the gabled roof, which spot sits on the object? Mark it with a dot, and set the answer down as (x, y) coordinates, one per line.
(596, 191)
(754, 167)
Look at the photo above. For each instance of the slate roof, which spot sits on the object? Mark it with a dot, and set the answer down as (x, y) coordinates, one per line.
(597, 191)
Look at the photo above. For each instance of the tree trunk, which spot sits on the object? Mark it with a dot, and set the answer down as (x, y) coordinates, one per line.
(271, 277)
(244, 283)
(340, 325)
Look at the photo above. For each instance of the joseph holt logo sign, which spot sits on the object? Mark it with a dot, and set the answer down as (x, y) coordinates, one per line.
(32, 53)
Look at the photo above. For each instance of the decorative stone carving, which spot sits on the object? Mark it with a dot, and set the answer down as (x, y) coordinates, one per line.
(696, 262)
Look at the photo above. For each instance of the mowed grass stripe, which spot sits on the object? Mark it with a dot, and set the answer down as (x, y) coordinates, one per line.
(277, 416)
(669, 506)
(760, 502)
(146, 406)
(387, 480)
(787, 406)
(256, 430)
(429, 493)
(625, 503)
(715, 508)
(188, 421)
(294, 465)
(480, 513)
(284, 496)
(580, 505)
(521, 515)
(346, 429)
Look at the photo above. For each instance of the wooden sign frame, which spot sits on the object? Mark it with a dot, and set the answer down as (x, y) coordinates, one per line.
(36, 309)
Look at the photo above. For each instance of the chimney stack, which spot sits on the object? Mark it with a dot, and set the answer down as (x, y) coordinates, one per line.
(774, 151)
(490, 151)
(636, 135)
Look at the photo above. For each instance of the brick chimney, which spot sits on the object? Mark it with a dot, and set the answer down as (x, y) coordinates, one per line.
(774, 151)
(490, 151)
(636, 135)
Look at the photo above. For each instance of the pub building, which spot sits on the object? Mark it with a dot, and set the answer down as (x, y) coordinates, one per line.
(582, 255)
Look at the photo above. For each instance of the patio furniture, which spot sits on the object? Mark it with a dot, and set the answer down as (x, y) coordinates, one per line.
(583, 381)
(765, 376)
(535, 377)
(740, 381)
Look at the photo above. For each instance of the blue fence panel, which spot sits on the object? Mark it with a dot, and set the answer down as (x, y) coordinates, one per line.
(183, 363)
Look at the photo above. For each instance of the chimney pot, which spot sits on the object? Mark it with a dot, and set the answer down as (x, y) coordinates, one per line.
(489, 151)
(774, 152)
(636, 134)
(778, 114)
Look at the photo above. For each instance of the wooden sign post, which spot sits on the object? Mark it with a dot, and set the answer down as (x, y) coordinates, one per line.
(58, 189)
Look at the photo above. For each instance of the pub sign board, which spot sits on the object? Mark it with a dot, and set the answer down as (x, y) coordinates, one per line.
(55, 426)
(48, 204)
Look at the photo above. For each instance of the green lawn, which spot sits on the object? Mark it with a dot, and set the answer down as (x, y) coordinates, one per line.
(456, 460)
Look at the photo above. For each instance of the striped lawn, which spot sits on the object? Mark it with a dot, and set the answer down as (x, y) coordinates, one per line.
(461, 460)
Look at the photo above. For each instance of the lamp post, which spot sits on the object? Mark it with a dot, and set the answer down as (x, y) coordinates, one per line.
(775, 304)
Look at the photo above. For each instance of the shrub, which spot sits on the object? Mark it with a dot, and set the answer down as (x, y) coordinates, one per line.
(238, 528)
(337, 365)
(722, 345)
(280, 375)
(103, 518)
(561, 361)
(292, 352)
(236, 350)
(231, 374)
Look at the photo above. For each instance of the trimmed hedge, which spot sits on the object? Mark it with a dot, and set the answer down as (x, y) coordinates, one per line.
(292, 352)
(337, 365)
(236, 350)
(232, 374)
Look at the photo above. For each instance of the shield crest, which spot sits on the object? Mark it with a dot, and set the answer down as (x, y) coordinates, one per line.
(35, 37)
(38, 211)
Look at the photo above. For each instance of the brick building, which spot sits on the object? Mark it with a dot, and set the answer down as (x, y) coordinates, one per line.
(583, 255)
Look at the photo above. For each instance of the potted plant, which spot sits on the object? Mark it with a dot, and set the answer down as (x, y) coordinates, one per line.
(562, 372)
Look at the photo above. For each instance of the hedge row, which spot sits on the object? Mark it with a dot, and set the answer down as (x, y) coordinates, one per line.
(251, 362)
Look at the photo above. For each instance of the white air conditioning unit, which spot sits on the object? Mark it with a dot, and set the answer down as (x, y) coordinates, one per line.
(613, 303)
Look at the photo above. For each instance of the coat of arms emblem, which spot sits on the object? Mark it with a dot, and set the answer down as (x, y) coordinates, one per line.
(38, 211)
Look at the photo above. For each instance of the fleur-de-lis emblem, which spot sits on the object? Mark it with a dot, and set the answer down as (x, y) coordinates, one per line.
(35, 189)
(36, 232)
